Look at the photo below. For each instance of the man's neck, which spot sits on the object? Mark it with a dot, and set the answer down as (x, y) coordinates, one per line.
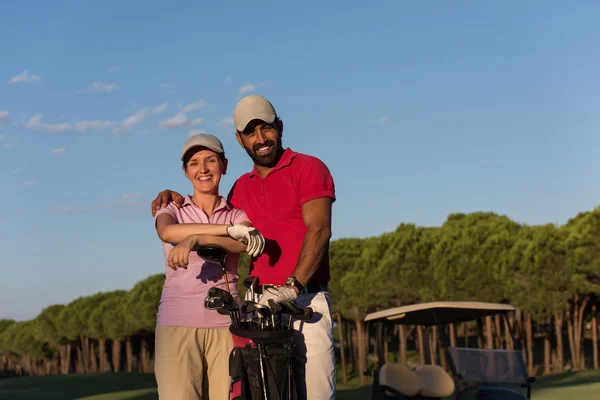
(206, 202)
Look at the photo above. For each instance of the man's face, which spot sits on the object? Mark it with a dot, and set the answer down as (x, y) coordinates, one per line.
(262, 142)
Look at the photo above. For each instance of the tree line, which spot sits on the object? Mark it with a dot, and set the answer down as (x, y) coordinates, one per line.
(550, 273)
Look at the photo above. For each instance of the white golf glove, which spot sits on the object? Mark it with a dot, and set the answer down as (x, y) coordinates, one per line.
(248, 235)
(278, 293)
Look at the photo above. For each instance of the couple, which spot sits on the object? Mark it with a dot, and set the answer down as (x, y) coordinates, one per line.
(280, 213)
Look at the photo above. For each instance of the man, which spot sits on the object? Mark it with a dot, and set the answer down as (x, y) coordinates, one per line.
(288, 196)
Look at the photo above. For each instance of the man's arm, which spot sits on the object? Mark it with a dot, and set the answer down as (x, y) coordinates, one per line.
(317, 217)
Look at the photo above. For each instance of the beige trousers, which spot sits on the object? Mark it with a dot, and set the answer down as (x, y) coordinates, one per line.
(191, 363)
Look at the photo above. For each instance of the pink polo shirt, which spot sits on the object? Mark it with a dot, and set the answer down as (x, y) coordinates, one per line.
(184, 291)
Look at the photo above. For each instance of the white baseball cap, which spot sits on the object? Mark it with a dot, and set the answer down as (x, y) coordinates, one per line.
(250, 108)
(203, 140)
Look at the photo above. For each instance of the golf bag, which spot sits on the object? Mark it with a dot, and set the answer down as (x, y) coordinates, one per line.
(260, 364)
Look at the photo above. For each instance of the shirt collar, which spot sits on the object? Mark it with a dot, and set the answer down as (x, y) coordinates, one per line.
(286, 159)
(223, 204)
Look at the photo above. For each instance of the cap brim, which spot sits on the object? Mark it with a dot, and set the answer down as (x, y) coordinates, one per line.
(218, 151)
(268, 118)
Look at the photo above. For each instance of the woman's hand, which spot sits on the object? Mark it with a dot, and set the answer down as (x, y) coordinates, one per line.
(180, 254)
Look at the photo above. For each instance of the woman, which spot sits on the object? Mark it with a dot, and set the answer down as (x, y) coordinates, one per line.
(193, 343)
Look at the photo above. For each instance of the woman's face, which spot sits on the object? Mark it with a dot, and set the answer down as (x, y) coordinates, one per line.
(204, 169)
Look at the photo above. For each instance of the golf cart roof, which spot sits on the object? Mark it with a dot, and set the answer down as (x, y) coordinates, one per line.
(446, 312)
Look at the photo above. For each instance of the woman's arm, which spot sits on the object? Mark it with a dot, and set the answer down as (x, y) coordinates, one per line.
(169, 231)
(179, 255)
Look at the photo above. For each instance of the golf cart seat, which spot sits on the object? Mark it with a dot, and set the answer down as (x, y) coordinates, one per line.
(398, 381)
(435, 382)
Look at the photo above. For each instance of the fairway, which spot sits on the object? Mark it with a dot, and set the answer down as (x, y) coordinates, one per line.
(572, 386)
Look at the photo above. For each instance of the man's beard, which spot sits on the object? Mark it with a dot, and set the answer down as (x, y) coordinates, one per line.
(269, 160)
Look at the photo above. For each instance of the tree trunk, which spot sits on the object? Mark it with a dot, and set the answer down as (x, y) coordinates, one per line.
(560, 349)
(66, 367)
(355, 361)
(529, 334)
(79, 367)
(342, 350)
(145, 355)
(85, 352)
(452, 330)
(595, 335)
(489, 341)
(421, 344)
(403, 343)
(104, 367)
(509, 341)
(480, 339)
(572, 348)
(547, 348)
(362, 353)
(579, 329)
(433, 341)
(116, 355)
(129, 355)
(93, 358)
(498, 328)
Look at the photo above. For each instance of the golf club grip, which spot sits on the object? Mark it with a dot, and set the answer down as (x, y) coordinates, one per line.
(304, 314)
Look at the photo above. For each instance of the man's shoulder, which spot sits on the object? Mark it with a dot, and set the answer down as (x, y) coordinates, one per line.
(307, 159)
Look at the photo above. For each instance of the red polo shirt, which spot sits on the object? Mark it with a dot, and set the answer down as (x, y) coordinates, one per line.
(274, 205)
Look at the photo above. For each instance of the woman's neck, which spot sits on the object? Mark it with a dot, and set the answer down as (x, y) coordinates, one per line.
(206, 202)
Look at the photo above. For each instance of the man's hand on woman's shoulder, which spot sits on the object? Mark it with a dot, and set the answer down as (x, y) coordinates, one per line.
(164, 198)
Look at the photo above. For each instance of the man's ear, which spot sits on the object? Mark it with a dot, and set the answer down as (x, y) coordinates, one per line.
(280, 127)
(239, 139)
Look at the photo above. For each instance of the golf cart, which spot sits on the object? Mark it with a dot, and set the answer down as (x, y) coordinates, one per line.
(481, 374)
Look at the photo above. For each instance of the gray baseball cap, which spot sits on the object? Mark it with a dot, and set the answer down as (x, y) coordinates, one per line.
(253, 107)
(203, 140)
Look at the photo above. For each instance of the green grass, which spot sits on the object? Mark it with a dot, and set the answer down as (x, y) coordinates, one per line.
(572, 386)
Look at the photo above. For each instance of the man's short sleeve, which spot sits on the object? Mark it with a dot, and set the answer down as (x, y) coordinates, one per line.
(314, 180)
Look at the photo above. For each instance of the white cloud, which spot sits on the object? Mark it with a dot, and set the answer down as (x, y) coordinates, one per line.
(83, 126)
(161, 108)
(15, 171)
(383, 120)
(98, 86)
(226, 121)
(115, 68)
(127, 200)
(194, 106)
(164, 86)
(24, 76)
(247, 87)
(135, 118)
(56, 151)
(180, 120)
(1, 136)
(4, 117)
(228, 78)
(35, 123)
(8, 146)
(196, 132)
(29, 182)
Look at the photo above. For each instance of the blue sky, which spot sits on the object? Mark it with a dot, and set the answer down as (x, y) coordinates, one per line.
(420, 109)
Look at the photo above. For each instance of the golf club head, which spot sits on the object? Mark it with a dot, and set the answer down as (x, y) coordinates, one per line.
(300, 313)
(275, 306)
(213, 253)
(251, 281)
(248, 306)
